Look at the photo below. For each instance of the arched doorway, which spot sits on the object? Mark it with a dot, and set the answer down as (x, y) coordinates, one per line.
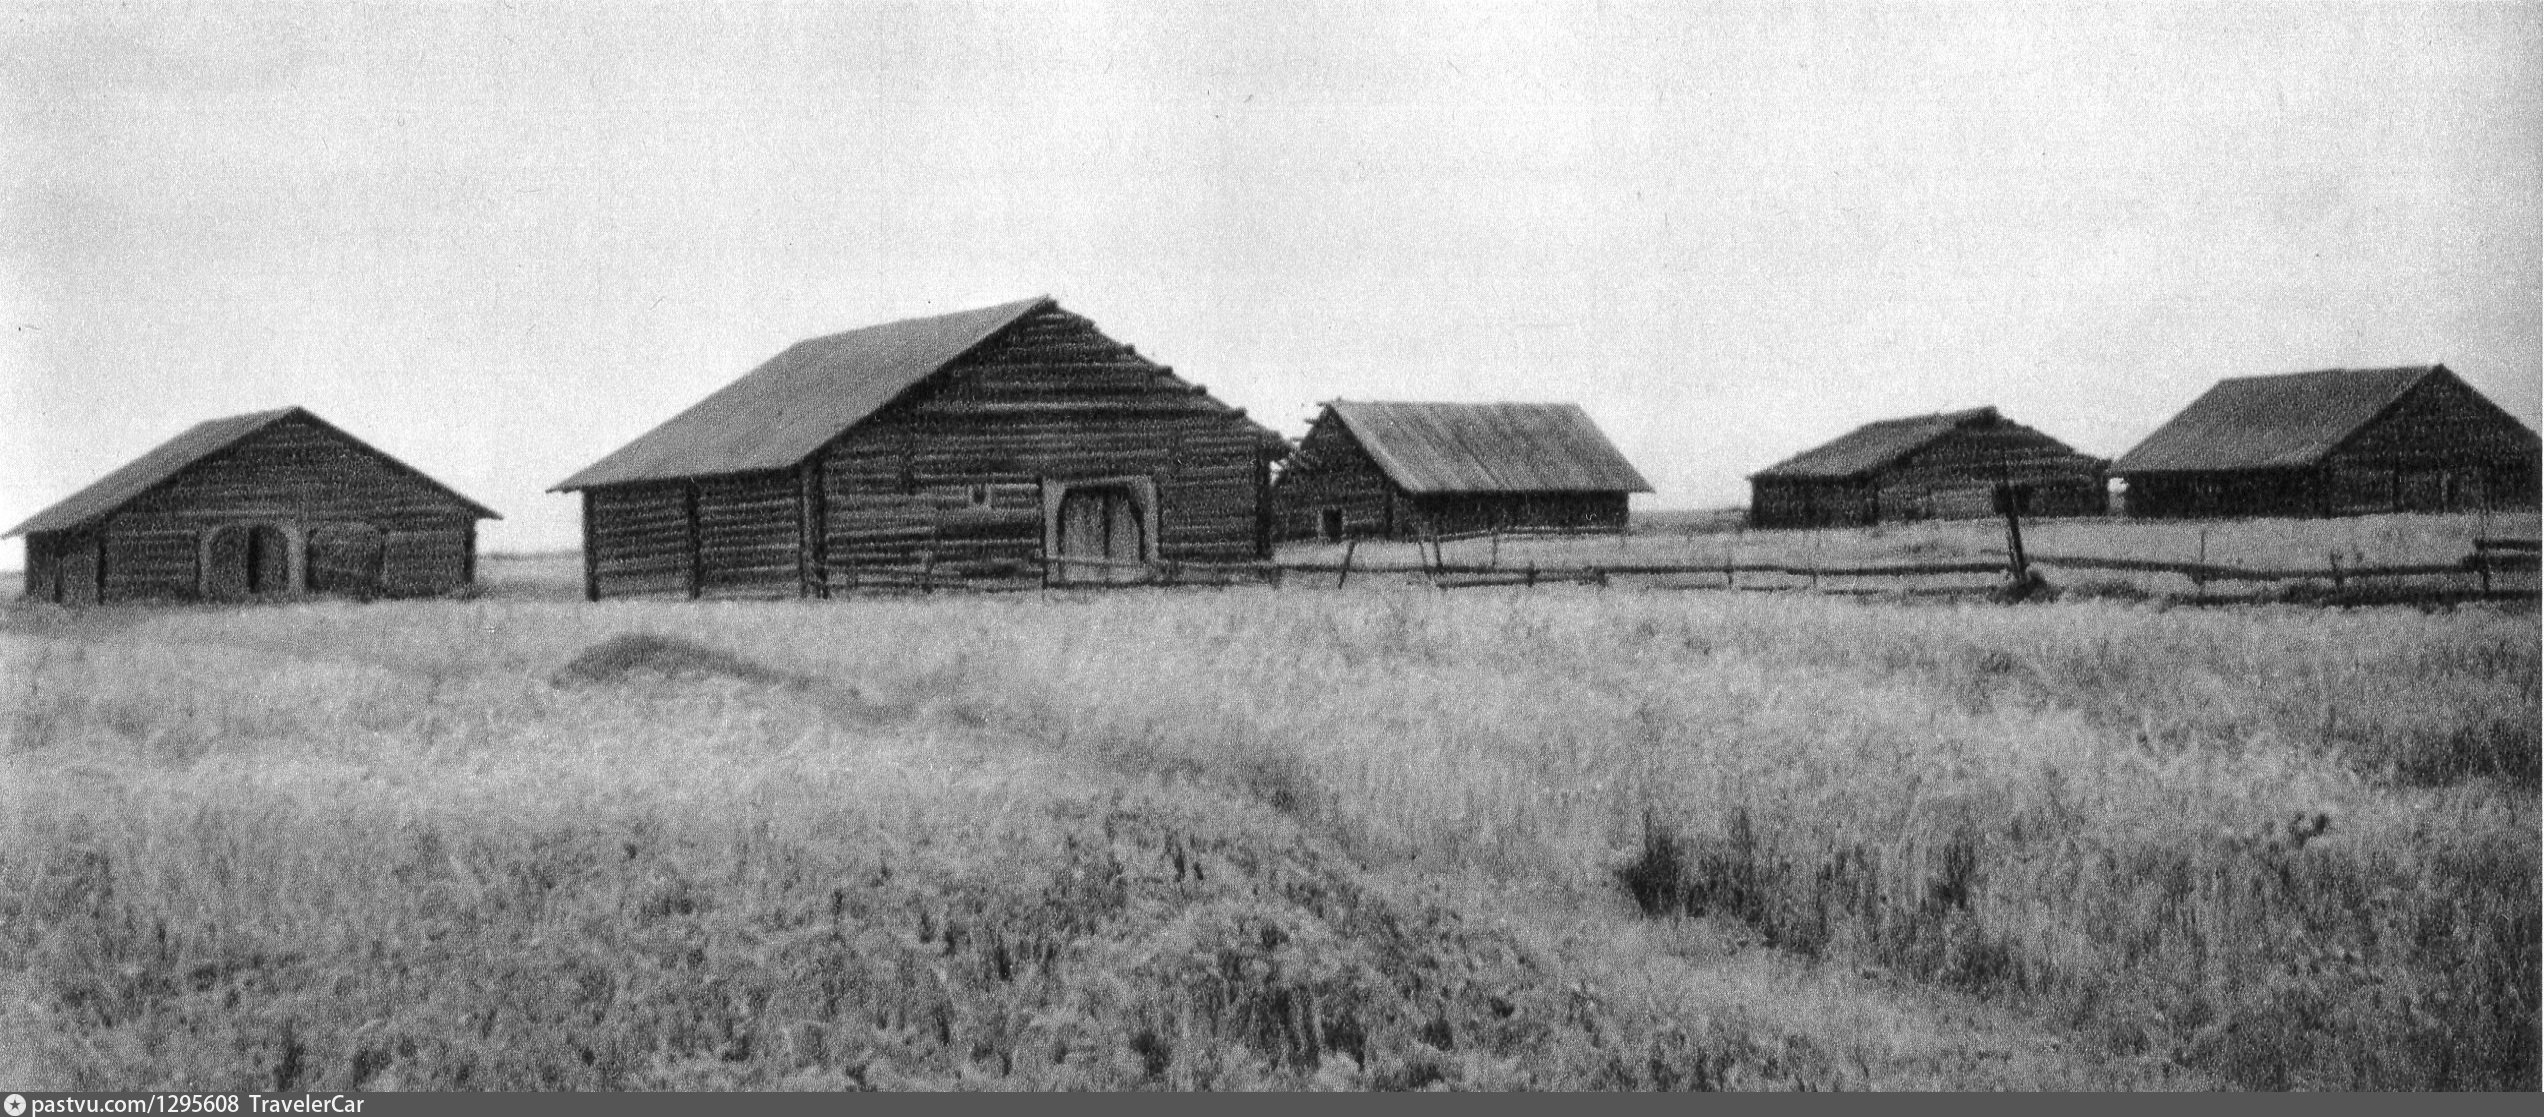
(1109, 521)
(247, 560)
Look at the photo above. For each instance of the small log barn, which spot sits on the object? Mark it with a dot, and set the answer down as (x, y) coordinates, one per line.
(1404, 470)
(273, 503)
(1927, 467)
(2333, 443)
(968, 443)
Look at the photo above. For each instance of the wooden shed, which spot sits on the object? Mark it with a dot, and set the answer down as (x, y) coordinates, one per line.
(272, 503)
(2332, 443)
(1926, 467)
(1401, 470)
(969, 443)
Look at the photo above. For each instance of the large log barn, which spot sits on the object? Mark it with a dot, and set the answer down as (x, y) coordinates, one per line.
(1945, 466)
(269, 504)
(1404, 470)
(968, 443)
(2334, 443)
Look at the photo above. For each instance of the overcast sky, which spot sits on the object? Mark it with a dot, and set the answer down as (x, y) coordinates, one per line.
(500, 241)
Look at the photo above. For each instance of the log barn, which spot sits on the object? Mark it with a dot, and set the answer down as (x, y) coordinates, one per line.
(970, 443)
(2334, 443)
(269, 504)
(1383, 470)
(1944, 466)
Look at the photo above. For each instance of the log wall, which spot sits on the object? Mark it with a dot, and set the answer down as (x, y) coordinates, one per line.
(296, 476)
(1445, 515)
(638, 539)
(749, 532)
(2212, 495)
(1780, 502)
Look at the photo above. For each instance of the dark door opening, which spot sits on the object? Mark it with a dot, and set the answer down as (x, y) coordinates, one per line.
(1329, 524)
(247, 561)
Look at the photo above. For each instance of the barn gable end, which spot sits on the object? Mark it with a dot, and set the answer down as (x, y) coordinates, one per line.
(1401, 470)
(276, 502)
(1942, 466)
(1332, 489)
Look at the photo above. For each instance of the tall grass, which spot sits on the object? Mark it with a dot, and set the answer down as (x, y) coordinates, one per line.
(396, 841)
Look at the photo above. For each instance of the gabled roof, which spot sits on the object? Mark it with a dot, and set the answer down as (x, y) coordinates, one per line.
(782, 411)
(174, 456)
(1875, 446)
(1488, 447)
(2273, 422)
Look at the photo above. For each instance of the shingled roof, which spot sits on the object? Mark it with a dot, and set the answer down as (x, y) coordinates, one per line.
(1874, 446)
(2272, 422)
(174, 456)
(1488, 447)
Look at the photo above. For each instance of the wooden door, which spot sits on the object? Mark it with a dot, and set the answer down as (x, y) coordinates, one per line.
(1102, 522)
(226, 566)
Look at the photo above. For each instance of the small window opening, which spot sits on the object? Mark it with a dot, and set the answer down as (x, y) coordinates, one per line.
(980, 496)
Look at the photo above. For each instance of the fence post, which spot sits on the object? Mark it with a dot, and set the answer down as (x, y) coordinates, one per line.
(2199, 581)
(1532, 575)
(1345, 576)
(2008, 500)
(2336, 570)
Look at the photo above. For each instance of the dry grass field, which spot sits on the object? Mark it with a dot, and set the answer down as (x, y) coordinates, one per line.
(1385, 838)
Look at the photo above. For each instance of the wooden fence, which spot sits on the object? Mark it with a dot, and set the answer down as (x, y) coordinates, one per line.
(2488, 559)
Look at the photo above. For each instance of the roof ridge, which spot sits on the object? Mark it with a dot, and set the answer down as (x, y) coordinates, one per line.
(2421, 370)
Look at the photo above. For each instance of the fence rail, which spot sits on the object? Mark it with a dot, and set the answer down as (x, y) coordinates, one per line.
(2487, 558)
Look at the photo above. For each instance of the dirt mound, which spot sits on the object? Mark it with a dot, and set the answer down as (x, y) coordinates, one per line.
(645, 653)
